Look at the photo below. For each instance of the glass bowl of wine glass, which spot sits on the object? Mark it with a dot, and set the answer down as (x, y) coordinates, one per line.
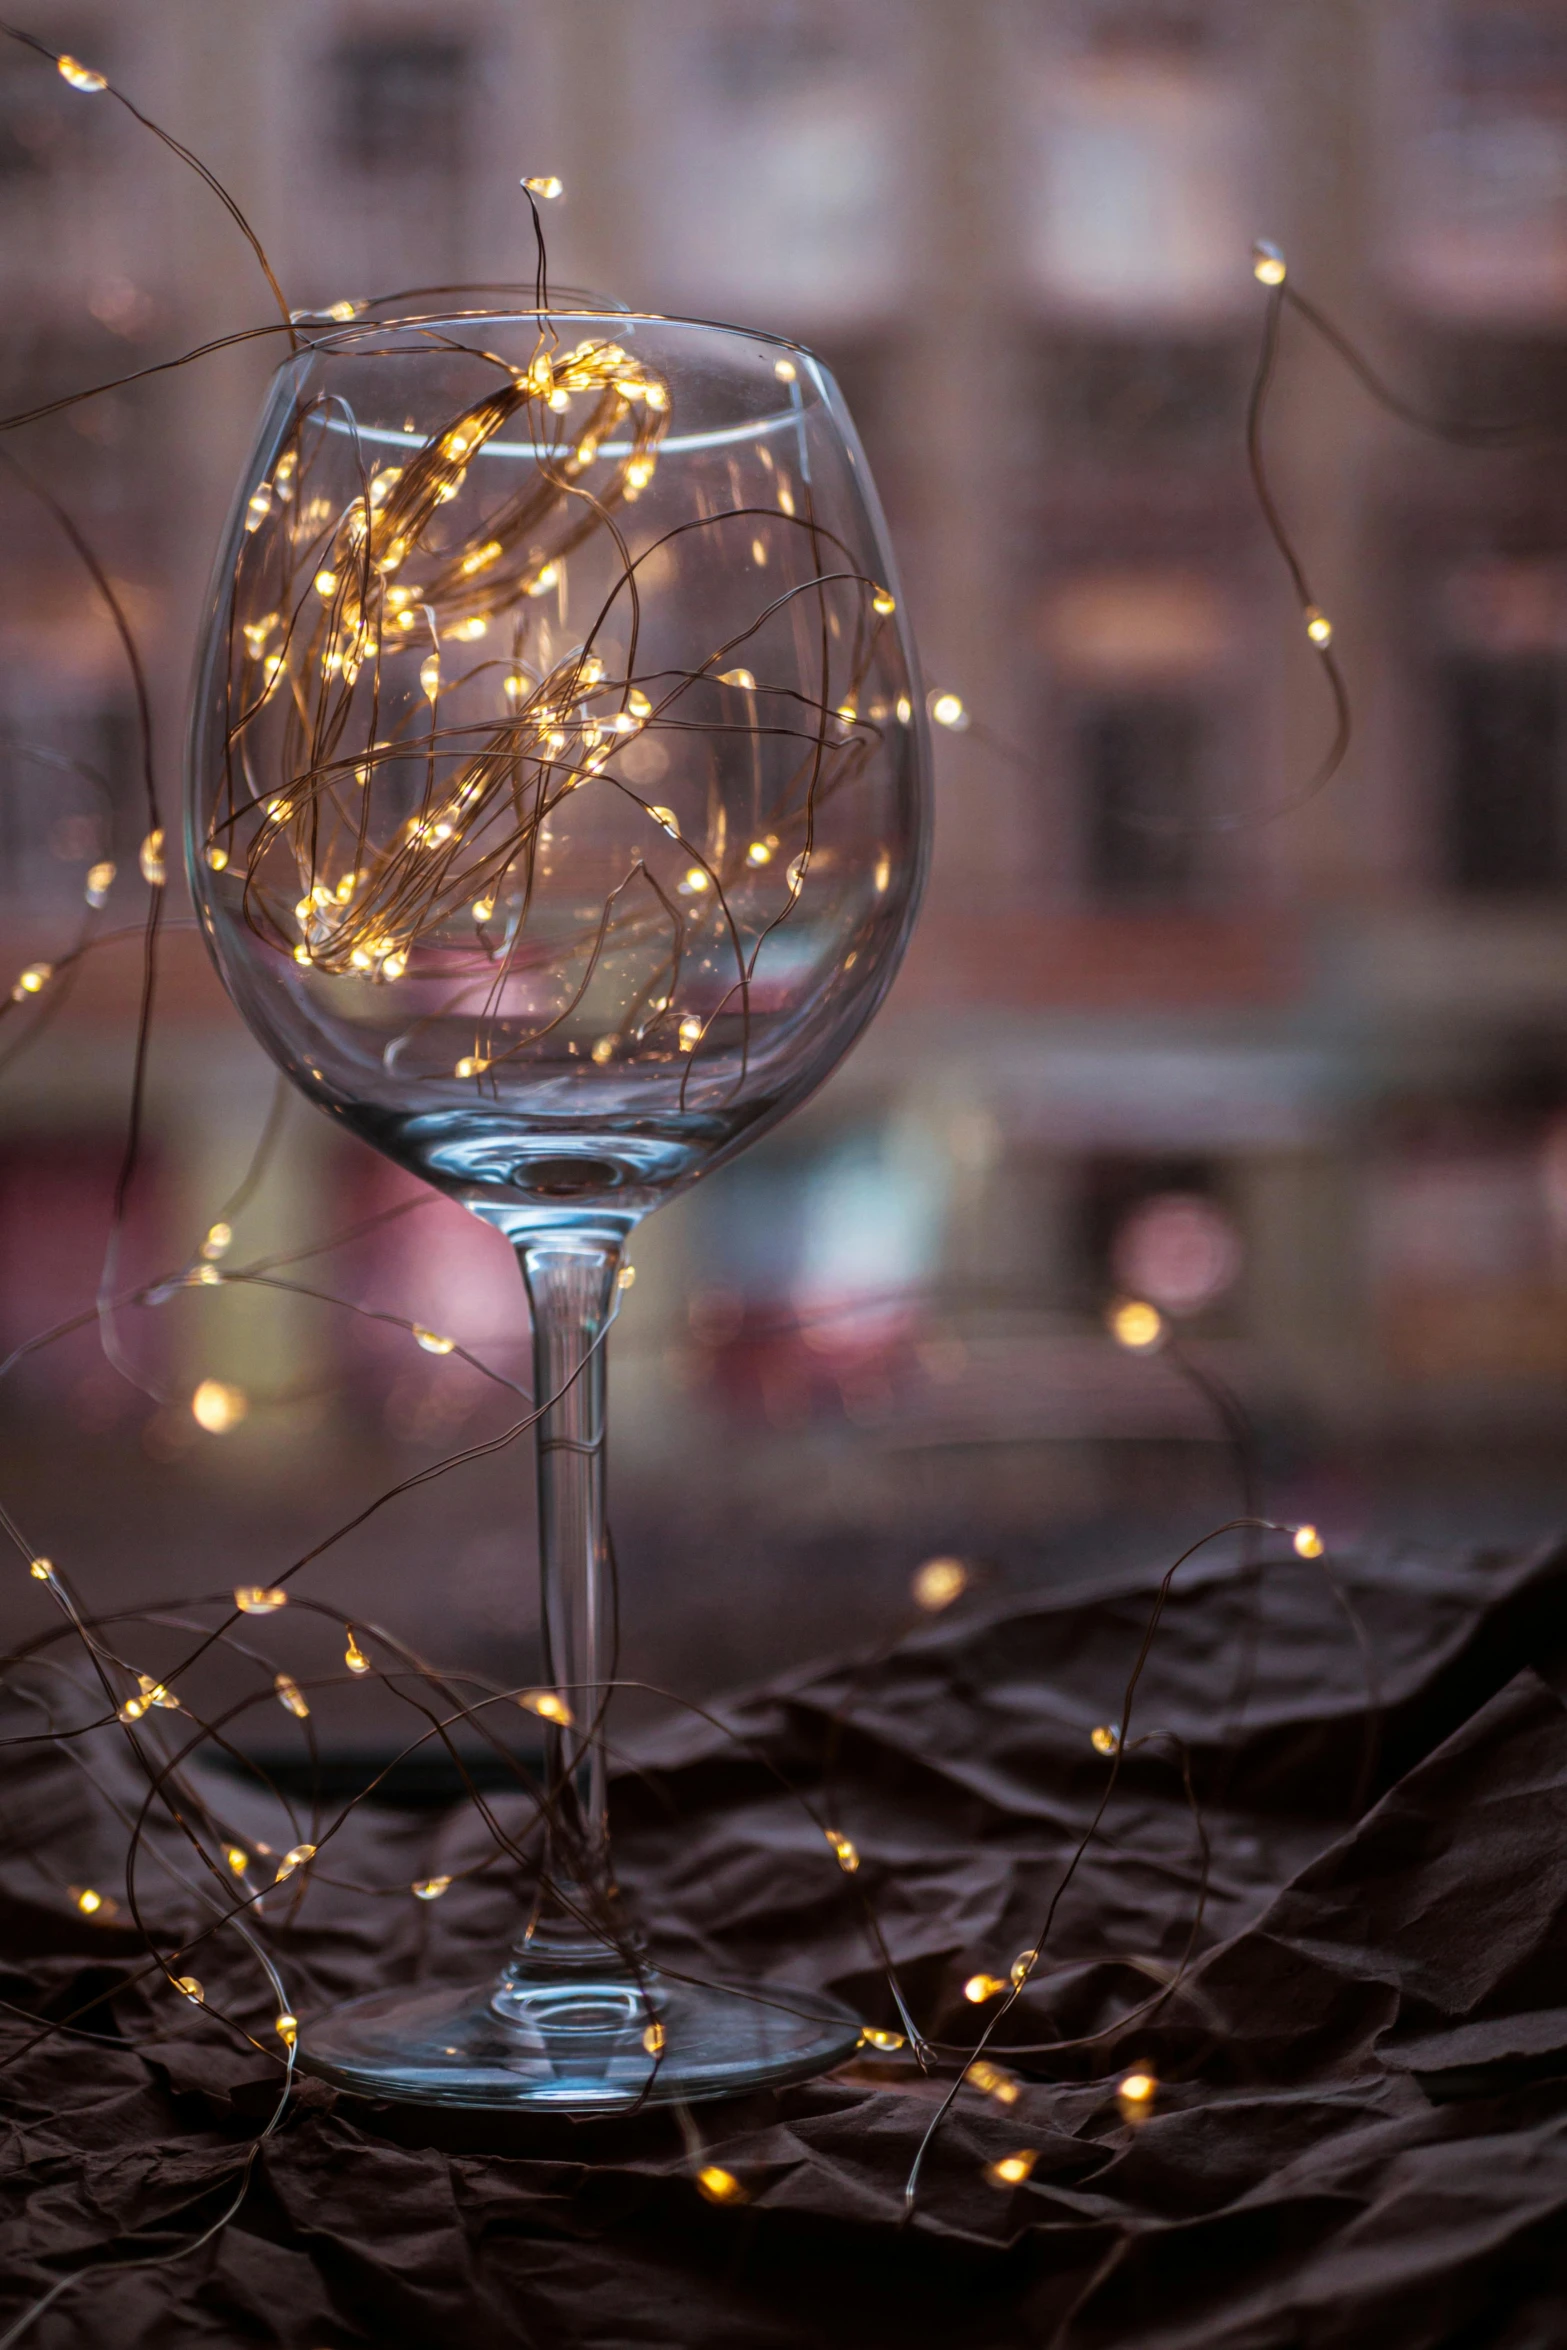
(557, 816)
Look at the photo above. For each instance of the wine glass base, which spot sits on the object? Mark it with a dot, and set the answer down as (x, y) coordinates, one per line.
(577, 2045)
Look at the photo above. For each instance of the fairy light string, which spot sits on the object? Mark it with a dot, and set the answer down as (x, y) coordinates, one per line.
(379, 580)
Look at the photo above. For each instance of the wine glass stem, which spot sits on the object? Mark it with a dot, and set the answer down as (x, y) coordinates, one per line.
(570, 1277)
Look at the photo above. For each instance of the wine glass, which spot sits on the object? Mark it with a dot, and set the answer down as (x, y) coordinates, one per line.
(557, 815)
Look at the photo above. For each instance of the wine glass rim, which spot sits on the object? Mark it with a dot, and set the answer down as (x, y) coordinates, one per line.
(338, 335)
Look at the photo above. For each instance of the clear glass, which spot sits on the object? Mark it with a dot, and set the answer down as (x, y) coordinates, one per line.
(557, 817)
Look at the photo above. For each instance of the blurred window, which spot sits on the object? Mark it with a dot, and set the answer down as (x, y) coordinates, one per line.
(1139, 174)
(399, 105)
(1139, 768)
(1507, 802)
(1484, 194)
(783, 157)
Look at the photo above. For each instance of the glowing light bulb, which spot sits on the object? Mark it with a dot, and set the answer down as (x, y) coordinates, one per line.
(219, 1240)
(993, 2080)
(42, 1570)
(690, 1033)
(287, 2029)
(938, 1583)
(477, 559)
(190, 1989)
(432, 1341)
(871, 2037)
(638, 704)
(259, 506)
(259, 1599)
(326, 585)
(979, 1988)
(549, 1705)
(1136, 1325)
(639, 472)
(430, 675)
(1319, 628)
(718, 2185)
(133, 1709)
(1308, 1543)
(626, 1277)
(32, 981)
(666, 817)
(155, 1692)
(81, 77)
(1022, 1967)
(547, 186)
(697, 880)
(847, 1857)
(883, 874)
(150, 858)
(655, 395)
(395, 965)
(354, 1656)
(217, 1407)
(469, 631)
(545, 580)
(1137, 2090)
(1267, 262)
(217, 857)
(740, 677)
(1106, 1739)
(948, 710)
(905, 709)
(653, 2039)
(100, 880)
(290, 1696)
(1012, 2169)
(293, 1860)
(883, 601)
(785, 499)
(758, 853)
(238, 1859)
(471, 1065)
(603, 1050)
(89, 1902)
(785, 370)
(429, 1888)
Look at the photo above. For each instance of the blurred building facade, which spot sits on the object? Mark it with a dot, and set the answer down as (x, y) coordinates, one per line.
(1298, 1072)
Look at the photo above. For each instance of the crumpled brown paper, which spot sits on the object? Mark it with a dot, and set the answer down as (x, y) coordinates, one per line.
(1360, 2134)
